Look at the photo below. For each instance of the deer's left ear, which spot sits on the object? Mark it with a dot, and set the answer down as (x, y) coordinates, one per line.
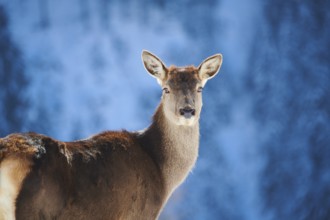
(154, 65)
(210, 67)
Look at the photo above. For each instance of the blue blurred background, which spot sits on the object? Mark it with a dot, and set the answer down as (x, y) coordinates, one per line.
(70, 69)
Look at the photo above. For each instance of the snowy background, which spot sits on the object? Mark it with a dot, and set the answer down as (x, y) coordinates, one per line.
(70, 69)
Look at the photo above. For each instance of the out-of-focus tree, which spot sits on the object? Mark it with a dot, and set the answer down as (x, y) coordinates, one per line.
(290, 87)
(44, 20)
(13, 82)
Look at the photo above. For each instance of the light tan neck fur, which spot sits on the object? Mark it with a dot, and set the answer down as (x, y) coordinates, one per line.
(174, 147)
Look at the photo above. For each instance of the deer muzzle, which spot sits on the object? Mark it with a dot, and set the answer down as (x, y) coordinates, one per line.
(187, 112)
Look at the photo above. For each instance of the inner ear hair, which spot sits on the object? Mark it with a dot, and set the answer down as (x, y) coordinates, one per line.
(210, 66)
(153, 65)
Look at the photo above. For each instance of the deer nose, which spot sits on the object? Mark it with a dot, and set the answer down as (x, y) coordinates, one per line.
(187, 112)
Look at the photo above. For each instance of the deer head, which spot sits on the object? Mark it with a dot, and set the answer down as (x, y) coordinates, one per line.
(182, 86)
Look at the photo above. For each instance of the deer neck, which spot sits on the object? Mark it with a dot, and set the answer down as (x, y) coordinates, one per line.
(174, 148)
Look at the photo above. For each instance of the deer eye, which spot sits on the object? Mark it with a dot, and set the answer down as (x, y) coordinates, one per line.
(166, 90)
(200, 89)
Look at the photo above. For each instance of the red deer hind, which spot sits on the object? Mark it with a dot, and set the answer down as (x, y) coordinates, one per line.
(114, 174)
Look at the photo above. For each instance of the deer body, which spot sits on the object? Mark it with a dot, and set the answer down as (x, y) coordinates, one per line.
(112, 175)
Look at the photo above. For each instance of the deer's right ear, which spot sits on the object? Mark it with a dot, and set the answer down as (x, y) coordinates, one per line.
(154, 65)
(210, 67)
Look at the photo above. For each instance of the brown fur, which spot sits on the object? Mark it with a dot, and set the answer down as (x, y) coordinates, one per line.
(105, 177)
(112, 175)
